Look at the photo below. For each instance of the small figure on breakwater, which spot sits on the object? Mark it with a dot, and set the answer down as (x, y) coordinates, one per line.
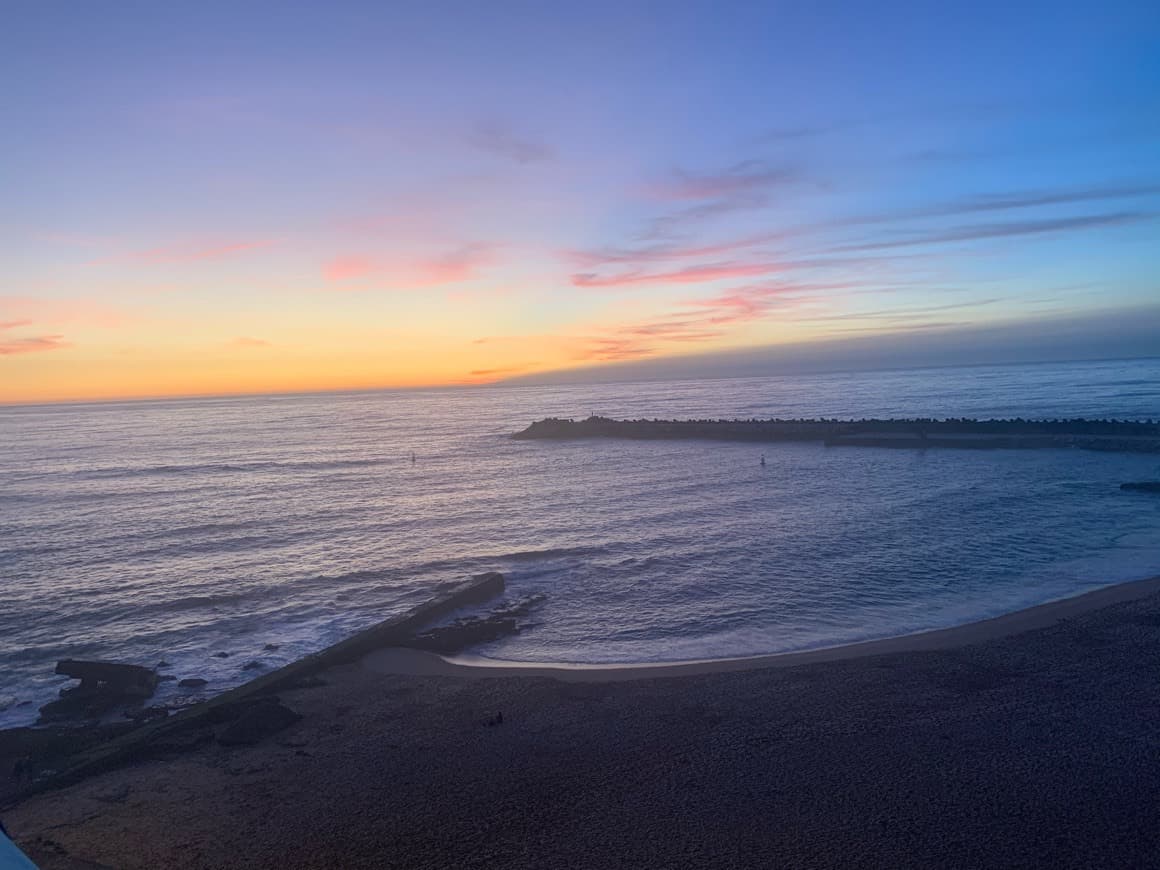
(412, 457)
(763, 460)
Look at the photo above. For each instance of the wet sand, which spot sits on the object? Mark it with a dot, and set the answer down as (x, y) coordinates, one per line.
(1032, 740)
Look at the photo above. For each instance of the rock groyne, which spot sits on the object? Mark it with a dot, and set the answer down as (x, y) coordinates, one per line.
(1113, 435)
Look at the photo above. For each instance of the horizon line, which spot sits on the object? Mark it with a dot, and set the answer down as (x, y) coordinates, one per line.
(513, 384)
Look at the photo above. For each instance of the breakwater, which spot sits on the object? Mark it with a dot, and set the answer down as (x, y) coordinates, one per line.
(202, 723)
(1111, 435)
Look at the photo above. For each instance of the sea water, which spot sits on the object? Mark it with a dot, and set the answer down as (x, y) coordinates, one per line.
(174, 530)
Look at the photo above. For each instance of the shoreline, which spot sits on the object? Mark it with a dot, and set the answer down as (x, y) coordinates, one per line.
(1028, 739)
(404, 661)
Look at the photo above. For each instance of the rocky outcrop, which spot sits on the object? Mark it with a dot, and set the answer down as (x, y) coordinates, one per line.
(104, 686)
(470, 631)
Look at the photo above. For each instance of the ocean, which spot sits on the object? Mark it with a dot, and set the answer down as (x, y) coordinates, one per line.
(173, 530)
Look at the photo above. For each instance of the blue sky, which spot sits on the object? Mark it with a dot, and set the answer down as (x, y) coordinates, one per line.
(225, 197)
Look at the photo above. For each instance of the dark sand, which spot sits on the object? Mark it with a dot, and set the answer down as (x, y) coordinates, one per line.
(1030, 741)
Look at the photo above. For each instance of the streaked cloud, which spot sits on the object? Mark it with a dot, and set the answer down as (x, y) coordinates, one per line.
(498, 138)
(454, 266)
(248, 342)
(11, 346)
(687, 275)
(1011, 229)
(748, 177)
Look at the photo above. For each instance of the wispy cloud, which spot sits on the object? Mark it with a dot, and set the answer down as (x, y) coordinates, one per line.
(997, 202)
(13, 346)
(678, 224)
(748, 177)
(686, 275)
(30, 344)
(451, 267)
(495, 137)
(1010, 229)
(659, 253)
(899, 314)
(698, 320)
(248, 342)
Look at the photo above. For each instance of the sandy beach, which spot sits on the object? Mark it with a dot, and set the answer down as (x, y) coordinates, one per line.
(1031, 740)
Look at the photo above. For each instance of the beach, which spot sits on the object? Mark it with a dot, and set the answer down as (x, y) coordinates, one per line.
(1027, 741)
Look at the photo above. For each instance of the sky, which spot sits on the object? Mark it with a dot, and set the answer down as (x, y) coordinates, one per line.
(231, 197)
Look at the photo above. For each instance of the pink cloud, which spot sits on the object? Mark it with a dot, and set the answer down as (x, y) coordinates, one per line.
(246, 341)
(687, 275)
(453, 267)
(611, 349)
(84, 311)
(347, 268)
(701, 320)
(35, 344)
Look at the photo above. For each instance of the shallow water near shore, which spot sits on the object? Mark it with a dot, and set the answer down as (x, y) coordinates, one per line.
(174, 530)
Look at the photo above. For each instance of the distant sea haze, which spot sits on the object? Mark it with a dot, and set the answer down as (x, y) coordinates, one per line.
(175, 530)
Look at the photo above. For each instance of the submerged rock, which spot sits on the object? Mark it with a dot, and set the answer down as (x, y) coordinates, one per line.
(1142, 486)
(253, 665)
(192, 683)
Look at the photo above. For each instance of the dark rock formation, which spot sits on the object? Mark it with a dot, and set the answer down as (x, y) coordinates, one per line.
(147, 713)
(1117, 435)
(221, 655)
(176, 741)
(104, 686)
(26, 753)
(1142, 486)
(256, 722)
(192, 683)
(232, 711)
(470, 631)
(270, 647)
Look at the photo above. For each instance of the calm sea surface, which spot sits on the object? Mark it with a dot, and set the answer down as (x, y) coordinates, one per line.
(173, 530)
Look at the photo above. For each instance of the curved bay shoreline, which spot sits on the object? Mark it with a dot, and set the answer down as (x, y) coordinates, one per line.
(413, 662)
(1027, 740)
